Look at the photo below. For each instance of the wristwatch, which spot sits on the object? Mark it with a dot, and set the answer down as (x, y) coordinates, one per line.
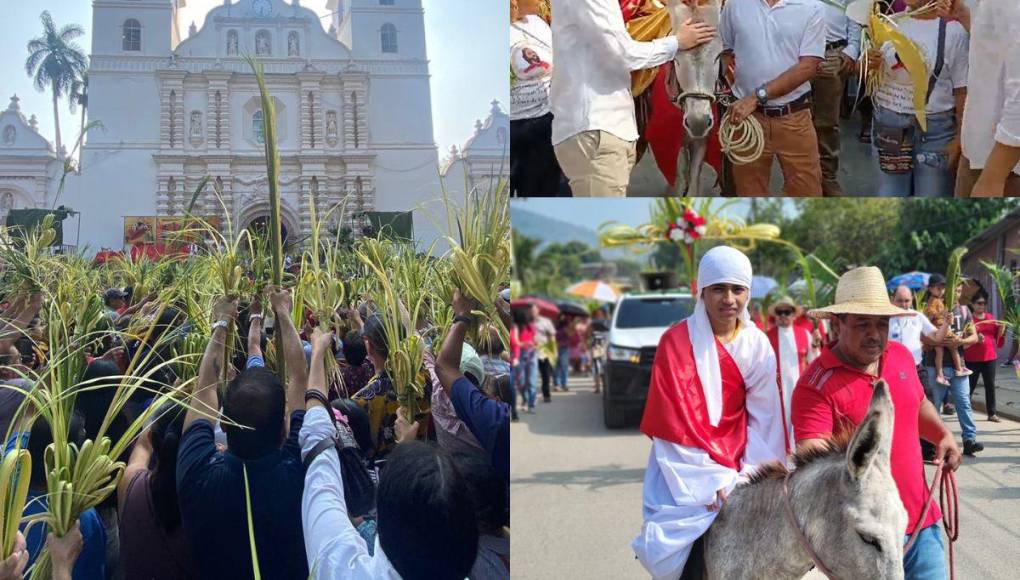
(220, 324)
(465, 319)
(762, 94)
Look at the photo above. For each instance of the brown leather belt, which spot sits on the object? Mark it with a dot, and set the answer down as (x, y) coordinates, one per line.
(787, 109)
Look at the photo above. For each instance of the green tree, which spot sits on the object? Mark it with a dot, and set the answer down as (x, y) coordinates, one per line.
(845, 232)
(930, 229)
(55, 62)
(78, 96)
(524, 257)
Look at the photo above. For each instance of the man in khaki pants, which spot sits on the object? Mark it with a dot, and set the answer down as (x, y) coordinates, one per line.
(594, 129)
(842, 49)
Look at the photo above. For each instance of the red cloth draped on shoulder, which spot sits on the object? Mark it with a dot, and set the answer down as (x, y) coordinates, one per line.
(676, 410)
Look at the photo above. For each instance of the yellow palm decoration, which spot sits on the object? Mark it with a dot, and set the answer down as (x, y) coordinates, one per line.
(666, 212)
(885, 30)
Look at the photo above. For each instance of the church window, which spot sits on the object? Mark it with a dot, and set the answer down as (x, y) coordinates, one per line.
(256, 127)
(389, 38)
(232, 42)
(132, 37)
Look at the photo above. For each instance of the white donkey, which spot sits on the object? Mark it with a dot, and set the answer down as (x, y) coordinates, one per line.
(843, 500)
(697, 71)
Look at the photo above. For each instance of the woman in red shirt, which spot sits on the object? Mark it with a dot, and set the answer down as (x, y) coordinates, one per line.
(981, 357)
(523, 359)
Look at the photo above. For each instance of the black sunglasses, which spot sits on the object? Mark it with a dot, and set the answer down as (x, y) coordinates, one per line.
(784, 312)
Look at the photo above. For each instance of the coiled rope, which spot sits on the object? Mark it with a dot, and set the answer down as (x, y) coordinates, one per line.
(742, 142)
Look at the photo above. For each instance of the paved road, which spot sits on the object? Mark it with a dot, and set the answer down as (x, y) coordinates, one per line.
(576, 492)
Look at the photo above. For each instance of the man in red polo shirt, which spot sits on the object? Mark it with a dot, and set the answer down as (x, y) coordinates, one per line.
(833, 395)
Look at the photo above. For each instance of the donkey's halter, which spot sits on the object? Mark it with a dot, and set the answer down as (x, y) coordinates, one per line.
(804, 543)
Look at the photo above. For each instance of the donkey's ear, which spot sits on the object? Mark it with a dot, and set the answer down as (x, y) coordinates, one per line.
(873, 439)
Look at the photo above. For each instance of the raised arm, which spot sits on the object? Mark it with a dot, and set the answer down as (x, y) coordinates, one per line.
(255, 329)
(321, 344)
(448, 362)
(294, 354)
(139, 461)
(211, 368)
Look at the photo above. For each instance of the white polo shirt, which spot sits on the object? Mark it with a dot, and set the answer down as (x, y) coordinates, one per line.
(594, 58)
(907, 330)
(769, 40)
(993, 93)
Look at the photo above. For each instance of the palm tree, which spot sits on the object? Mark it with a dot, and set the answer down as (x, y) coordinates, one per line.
(56, 61)
(78, 95)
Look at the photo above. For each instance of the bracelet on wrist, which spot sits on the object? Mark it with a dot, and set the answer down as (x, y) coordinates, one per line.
(463, 318)
(318, 396)
(220, 324)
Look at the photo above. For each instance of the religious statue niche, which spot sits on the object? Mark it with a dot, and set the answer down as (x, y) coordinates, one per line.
(331, 128)
(196, 128)
(232, 42)
(293, 44)
(6, 203)
(263, 43)
(10, 134)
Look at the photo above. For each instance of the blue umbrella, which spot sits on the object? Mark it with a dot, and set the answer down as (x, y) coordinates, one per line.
(761, 286)
(912, 280)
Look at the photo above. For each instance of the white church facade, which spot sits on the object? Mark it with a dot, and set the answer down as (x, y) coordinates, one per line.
(353, 105)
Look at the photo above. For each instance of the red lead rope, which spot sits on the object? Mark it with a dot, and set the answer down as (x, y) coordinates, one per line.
(949, 500)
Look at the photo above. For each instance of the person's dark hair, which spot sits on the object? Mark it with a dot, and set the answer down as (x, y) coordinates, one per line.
(354, 349)
(979, 295)
(522, 316)
(490, 344)
(94, 403)
(258, 400)
(358, 421)
(425, 508)
(39, 439)
(166, 438)
(487, 490)
(375, 333)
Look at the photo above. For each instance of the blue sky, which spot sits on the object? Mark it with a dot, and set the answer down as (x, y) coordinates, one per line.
(466, 47)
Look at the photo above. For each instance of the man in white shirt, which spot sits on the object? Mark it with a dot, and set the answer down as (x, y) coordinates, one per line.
(991, 122)
(777, 46)
(842, 49)
(594, 127)
(907, 330)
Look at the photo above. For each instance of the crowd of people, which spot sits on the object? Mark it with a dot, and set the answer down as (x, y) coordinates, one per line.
(545, 353)
(712, 432)
(789, 63)
(296, 476)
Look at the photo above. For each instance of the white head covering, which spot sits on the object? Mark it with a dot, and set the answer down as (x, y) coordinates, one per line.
(720, 265)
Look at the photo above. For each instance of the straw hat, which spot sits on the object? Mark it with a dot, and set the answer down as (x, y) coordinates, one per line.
(785, 301)
(861, 291)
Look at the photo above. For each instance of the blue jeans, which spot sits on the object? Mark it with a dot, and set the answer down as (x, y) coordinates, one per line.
(960, 387)
(525, 376)
(562, 366)
(931, 175)
(926, 559)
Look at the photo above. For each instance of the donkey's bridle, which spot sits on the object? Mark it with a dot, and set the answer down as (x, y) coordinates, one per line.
(804, 543)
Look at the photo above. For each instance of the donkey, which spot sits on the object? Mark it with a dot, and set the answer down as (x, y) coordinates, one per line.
(843, 498)
(697, 72)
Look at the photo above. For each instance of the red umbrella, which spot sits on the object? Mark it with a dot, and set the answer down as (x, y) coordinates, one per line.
(545, 308)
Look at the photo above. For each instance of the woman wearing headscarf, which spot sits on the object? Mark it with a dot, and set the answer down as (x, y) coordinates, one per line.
(713, 414)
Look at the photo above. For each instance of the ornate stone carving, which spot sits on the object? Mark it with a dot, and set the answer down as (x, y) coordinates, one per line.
(10, 134)
(331, 129)
(232, 42)
(197, 135)
(293, 44)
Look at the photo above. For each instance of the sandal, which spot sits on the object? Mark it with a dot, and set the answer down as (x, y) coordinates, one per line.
(995, 419)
